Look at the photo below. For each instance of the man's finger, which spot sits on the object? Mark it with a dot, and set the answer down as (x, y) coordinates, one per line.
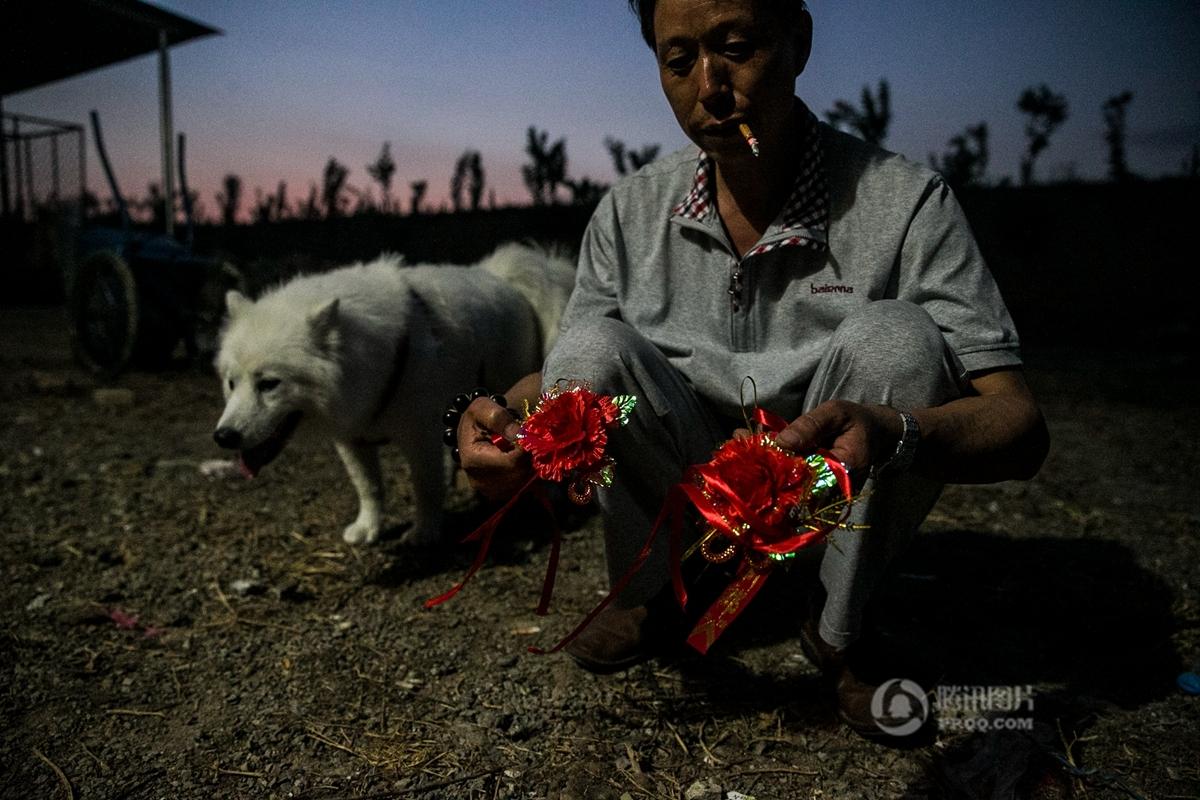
(801, 435)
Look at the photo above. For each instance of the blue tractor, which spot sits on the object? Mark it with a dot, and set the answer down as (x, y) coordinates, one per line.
(136, 295)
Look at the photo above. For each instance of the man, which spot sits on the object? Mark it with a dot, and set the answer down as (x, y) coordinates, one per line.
(841, 278)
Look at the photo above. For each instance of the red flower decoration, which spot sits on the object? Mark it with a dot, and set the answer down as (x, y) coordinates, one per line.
(568, 431)
(757, 495)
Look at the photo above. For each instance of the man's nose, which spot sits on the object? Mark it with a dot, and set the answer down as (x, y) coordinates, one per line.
(715, 91)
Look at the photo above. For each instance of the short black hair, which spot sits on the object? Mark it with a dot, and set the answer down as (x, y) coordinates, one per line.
(644, 11)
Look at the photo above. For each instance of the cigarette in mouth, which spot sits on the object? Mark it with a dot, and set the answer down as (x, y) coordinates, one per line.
(750, 138)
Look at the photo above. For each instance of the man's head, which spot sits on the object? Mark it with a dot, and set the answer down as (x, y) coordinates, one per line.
(644, 10)
(726, 62)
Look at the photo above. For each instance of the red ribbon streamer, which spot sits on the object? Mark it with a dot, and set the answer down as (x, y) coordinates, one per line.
(673, 508)
(484, 534)
(725, 610)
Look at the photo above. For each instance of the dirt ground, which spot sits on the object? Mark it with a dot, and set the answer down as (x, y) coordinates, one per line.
(170, 634)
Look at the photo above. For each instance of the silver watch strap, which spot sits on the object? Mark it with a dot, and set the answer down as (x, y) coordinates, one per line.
(906, 447)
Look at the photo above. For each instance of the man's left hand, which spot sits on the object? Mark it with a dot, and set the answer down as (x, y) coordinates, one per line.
(855, 434)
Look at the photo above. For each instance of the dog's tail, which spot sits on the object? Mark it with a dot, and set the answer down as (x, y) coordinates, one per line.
(544, 276)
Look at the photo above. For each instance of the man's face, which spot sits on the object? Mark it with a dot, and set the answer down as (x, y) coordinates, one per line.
(724, 62)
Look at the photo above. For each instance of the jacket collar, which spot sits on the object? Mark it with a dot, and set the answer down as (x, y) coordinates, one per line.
(804, 219)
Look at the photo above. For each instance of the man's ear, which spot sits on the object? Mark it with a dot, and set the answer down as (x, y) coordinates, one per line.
(804, 30)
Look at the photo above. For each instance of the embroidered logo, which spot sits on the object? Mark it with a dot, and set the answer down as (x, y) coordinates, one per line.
(831, 288)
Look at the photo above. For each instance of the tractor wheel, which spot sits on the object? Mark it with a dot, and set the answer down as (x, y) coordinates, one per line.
(104, 313)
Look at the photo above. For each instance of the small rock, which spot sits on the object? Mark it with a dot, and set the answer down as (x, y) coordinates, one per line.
(37, 602)
(54, 383)
(220, 468)
(705, 789)
(113, 398)
(247, 586)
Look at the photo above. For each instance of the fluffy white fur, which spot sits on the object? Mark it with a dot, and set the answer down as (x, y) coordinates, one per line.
(371, 353)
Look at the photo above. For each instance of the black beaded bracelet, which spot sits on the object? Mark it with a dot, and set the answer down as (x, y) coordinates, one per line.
(454, 413)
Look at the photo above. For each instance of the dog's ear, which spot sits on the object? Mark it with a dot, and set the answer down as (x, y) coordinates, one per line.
(322, 320)
(236, 302)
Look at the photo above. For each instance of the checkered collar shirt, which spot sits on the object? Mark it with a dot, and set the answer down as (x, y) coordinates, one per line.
(804, 220)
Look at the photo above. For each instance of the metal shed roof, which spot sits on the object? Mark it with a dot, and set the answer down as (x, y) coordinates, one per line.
(54, 39)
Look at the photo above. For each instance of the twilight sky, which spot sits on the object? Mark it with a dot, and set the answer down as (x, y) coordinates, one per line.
(292, 82)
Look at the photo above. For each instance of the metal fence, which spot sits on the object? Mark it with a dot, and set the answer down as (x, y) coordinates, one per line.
(43, 165)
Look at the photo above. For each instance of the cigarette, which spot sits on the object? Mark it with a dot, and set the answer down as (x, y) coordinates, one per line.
(750, 138)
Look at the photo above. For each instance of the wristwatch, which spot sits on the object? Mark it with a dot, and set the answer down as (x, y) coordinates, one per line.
(906, 447)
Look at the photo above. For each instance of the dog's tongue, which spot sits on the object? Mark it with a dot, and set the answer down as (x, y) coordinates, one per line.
(248, 470)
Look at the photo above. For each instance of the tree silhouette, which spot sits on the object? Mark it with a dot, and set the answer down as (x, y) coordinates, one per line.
(229, 199)
(418, 194)
(626, 161)
(965, 162)
(1114, 133)
(270, 207)
(333, 183)
(549, 168)
(381, 171)
(586, 191)
(871, 122)
(1046, 111)
(281, 206)
(311, 208)
(468, 178)
(154, 206)
(264, 206)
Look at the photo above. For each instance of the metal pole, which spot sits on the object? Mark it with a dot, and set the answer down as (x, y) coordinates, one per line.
(29, 178)
(166, 127)
(54, 187)
(18, 179)
(82, 175)
(5, 205)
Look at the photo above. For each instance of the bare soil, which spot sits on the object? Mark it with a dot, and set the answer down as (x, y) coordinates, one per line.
(174, 635)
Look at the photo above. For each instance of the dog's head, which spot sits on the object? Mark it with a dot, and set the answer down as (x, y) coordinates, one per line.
(275, 366)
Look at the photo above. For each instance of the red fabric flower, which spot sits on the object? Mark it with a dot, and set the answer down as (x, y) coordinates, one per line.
(568, 431)
(748, 491)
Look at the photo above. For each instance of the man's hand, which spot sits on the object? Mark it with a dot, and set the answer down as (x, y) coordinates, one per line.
(995, 433)
(494, 471)
(857, 435)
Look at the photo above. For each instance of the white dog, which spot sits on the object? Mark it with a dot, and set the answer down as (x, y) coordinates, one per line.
(373, 353)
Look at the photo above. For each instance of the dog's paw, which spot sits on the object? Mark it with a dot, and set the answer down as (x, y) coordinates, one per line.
(359, 532)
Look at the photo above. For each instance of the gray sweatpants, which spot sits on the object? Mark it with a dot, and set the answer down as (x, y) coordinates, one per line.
(890, 352)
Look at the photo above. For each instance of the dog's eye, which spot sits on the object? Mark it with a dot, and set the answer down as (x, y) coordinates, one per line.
(231, 384)
(266, 384)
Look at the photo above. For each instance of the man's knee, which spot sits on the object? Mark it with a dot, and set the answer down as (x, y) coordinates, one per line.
(593, 350)
(892, 339)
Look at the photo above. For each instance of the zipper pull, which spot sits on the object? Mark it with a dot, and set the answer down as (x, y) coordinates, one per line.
(735, 287)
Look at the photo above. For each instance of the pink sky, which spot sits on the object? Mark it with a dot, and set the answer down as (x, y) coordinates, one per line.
(291, 83)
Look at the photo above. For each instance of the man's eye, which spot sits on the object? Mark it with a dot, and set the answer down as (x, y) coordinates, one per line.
(678, 63)
(739, 49)
(266, 384)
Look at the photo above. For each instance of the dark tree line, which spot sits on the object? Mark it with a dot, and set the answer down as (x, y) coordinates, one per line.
(963, 162)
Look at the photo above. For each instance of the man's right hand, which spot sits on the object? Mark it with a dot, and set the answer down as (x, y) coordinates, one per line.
(495, 472)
